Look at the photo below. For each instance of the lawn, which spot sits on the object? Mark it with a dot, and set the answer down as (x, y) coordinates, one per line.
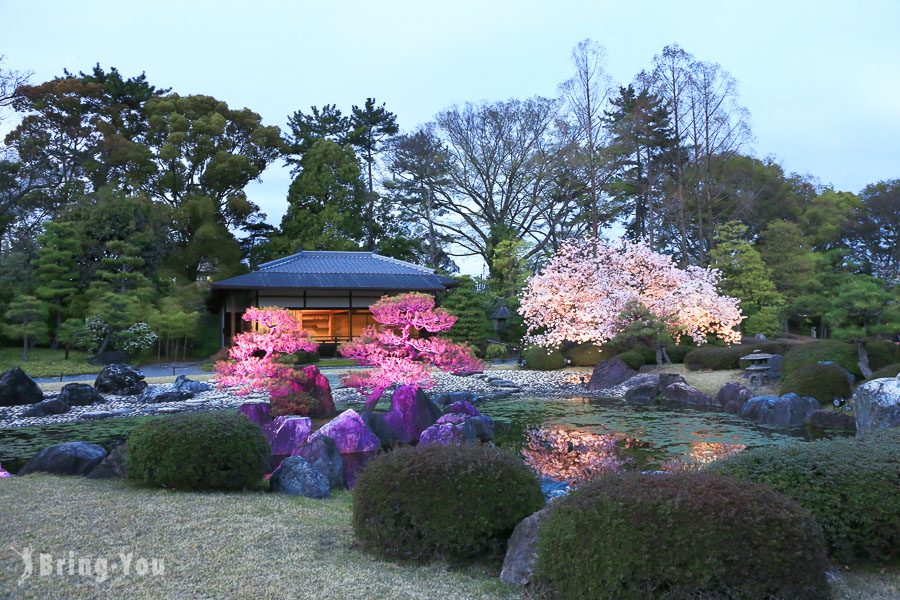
(44, 362)
(214, 545)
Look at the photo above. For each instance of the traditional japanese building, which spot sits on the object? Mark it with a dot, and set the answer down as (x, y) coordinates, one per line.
(328, 292)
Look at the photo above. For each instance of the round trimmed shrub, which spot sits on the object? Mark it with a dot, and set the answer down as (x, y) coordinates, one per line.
(442, 501)
(587, 355)
(542, 359)
(634, 536)
(293, 405)
(811, 353)
(850, 485)
(677, 352)
(882, 353)
(888, 371)
(632, 358)
(494, 351)
(822, 382)
(198, 451)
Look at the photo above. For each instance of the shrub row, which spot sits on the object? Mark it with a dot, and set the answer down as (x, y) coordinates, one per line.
(811, 353)
(850, 486)
(542, 359)
(442, 501)
(636, 536)
(822, 382)
(198, 451)
(717, 358)
(888, 371)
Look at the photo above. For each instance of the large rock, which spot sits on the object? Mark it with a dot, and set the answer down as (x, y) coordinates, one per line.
(80, 394)
(189, 385)
(71, 458)
(451, 430)
(113, 466)
(831, 419)
(45, 408)
(109, 357)
(161, 395)
(419, 412)
(295, 476)
(609, 373)
(354, 464)
(448, 398)
(287, 433)
(789, 410)
(120, 380)
(349, 433)
(682, 393)
(876, 404)
(645, 391)
(521, 549)
(387, 427)
(316, 385)
(463, 407)
(732, 396)
(18, 389)
(323, 455)
(258, 412)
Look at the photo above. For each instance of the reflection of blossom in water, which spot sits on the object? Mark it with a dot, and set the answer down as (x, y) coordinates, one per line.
(703, 453)
(572, 456)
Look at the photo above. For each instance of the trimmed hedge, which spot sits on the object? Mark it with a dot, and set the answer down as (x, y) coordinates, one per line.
(198, 451)
(810, 353)
(542, 359)
(850, 485)
(822, 382)
(888, 371)
(718, 358)
(442, 501)
(634, 536)
(882, 353)
(587, 355)
(632, 358)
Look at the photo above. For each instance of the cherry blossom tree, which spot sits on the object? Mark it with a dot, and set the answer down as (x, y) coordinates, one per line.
(253, 355)
(399, 351)
(580, 295)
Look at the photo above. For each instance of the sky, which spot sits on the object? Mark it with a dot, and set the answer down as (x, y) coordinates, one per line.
(821, 79)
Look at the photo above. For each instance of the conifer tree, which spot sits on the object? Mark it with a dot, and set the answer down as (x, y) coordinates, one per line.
(55, 269)
(26, 319)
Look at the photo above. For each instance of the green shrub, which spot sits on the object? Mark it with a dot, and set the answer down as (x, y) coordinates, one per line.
(632, 358)
(302, 357)
(888, 371)
(301, 405)
(822, 382)
(494, 351)
(542, 359)
(851, 486)
(810, 353)
(718, 358)
(634, 536)
(882, 353)
(198, 451)
(677, 352)
(442, 501)
(587, 354)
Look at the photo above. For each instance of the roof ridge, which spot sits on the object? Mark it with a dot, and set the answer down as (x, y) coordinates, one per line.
(404, 263)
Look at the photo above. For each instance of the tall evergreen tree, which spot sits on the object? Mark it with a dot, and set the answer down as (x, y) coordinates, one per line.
(55, 269)
(26, 319)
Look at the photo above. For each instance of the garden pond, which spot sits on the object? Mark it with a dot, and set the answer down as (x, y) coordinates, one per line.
(648, 437)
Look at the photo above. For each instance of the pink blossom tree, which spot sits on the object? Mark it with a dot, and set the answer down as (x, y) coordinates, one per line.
(400, 349)
(253, 355)
(582, 293)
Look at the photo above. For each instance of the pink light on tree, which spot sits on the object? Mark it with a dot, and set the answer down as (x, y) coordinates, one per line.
(581, 293)
(253, 363)
(398, 351)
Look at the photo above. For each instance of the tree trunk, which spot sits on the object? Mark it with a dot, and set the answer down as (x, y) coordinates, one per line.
(55, 343)
(105, 343)
(25, 349)
(66, 357)
(863, 357)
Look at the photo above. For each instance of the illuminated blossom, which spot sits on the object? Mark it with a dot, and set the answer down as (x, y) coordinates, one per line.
(399, 356)
(580, 294)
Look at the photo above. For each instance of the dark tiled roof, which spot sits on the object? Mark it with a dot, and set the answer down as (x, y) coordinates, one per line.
(501, 313)
(338, 270)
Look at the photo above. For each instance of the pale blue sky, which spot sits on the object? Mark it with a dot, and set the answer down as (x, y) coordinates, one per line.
(821, 78)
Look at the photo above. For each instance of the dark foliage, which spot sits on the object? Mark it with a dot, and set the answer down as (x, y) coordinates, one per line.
(888, 371)
(636, 537)
(882, 353)
(717, 358)
(851, 487)
(587, 354)
(442, 501)
(301, 405)
(541, 359)
(822, 382)
(198, 451)
(842, 353)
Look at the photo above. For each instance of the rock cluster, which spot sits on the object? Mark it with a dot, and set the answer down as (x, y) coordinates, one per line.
(876, 405)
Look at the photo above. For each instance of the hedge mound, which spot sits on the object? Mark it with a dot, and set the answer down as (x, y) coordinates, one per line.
(634, 536)
(719, 358)
(822, 382)
(198, 451)
(882, 353)
(851, 486)
(888, 371)
(442, 501)
(542, 359)
(811, 353)
(587, 355)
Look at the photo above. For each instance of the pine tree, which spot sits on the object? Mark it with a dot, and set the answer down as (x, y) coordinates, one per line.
(55, 269)
(26, 319)
(464, 302)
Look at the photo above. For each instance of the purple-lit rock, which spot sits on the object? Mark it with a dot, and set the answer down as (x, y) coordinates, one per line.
(387, 427)
(464, 407)
(286, 434)
(349, 433)
(449, 433)
(323, 455)
(316, 385)
(258, 412)
(419, 412)
(354, 464)
(4, 473)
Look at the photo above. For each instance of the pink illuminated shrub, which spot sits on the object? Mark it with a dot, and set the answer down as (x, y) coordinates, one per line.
(400, 349)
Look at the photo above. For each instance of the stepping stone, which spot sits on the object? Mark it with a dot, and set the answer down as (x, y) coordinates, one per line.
(97, 414)
(169, 409)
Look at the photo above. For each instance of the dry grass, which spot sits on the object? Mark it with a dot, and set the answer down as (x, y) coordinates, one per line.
(250, 545)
